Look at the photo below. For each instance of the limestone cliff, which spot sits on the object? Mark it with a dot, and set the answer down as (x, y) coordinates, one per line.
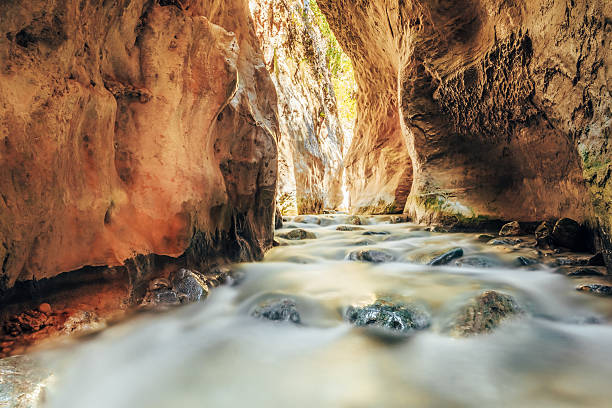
(502, 106)
(132, 127)
(310, 137)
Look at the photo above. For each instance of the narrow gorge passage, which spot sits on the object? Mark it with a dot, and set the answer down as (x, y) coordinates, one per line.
(330, 203)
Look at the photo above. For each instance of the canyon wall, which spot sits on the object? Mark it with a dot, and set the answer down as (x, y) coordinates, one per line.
(310, 137)
(132, 127)
(502, 106)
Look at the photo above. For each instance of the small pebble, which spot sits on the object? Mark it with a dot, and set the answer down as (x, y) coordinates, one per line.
(45, 308)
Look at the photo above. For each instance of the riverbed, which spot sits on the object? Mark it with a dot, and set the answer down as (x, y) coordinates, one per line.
(223, 352)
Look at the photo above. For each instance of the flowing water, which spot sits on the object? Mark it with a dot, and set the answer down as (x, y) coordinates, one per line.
(557, 354)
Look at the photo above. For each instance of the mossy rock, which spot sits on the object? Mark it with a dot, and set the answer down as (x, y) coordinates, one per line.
(298, 234)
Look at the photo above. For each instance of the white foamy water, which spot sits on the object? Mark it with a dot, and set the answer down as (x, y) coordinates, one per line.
(216, 354)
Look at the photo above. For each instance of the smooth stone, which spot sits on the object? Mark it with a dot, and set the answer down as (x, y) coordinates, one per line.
(298, 234)
(485, 237)
(577, 271)
(45, 308)
(484, 313)
(476, 262)
(567, 233)
(505, 241)
(279, 310)
(376, 233)
(525, 261)
(510, 229)
(307, 219)
(348, 228)
(188, 285)
(400, 317)
(602, 290)
(446, 257)
(371, 255)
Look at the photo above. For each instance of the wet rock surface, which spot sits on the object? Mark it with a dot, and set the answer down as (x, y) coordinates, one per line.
(510, 229)
(346, 228)
(398, 317)
(447, 257)
(298, 234)
(371, 255)
(597, 289)
(484, 313)
(278, 310)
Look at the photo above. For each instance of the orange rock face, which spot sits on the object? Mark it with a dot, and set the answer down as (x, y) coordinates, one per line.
(132, 128)
(503, 107)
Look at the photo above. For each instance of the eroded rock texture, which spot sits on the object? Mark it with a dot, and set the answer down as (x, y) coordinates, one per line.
(502, 106)
(311, 138)
(132, 127)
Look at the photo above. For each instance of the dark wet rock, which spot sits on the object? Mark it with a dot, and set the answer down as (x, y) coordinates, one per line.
(476, 262)
(371, 255)
(505, 241)
(275, 243)
(602, 290)
(567, 233)
(447, 257)
(298, 234)
(526, 261)
(510, 229)
(278, 219)
(484, 313)
(280, 310)
(573, 260)
(579, 271)
(307, 219)
(376, 233)
(162, 297)
(596, 260)
(355, 220)
(485, 237)
(348, 228)
(364, 242)
(543, 234)
(188, 286)
(400, 317)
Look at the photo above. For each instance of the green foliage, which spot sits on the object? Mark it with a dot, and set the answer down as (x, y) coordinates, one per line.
(340, 68)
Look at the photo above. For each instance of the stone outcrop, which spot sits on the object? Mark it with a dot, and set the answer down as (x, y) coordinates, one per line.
(310, 137)
(132, 127)
(502, 107)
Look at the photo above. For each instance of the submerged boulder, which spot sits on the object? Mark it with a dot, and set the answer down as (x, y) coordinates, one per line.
(400, 317)
(510, 229)
(446, 257)
(371, 255)
(279, 310)
(298, 234)
(484, 313)
(376, 233)
(348, 228)
(476, 261)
